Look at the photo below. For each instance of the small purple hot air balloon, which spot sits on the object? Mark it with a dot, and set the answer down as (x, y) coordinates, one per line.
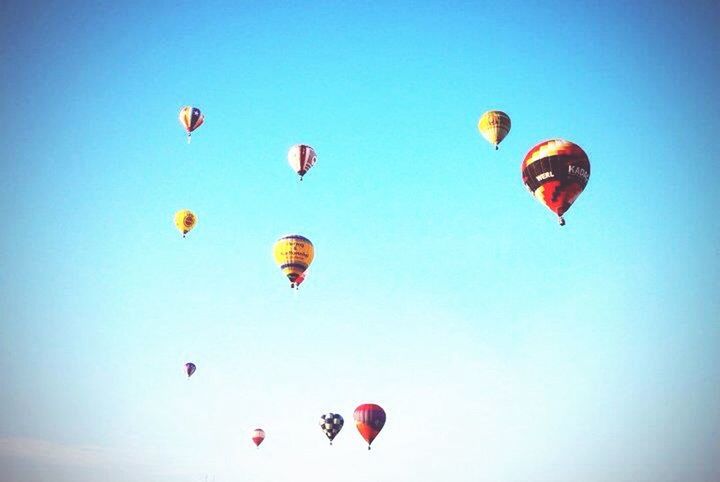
(190, 369)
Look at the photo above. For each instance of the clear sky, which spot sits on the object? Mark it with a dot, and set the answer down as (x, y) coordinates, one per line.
(502, 347)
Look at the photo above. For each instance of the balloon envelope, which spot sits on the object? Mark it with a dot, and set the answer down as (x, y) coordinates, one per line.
(301, 158)
(190, 118)
(258, 435)
(494, 125)
(556, 172)
(185, 220)
(331, 424)
(369, 420)
(190, 369)
(293, 254)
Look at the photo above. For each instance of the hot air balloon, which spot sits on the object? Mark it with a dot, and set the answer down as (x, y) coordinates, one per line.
(331, 424)
(190, 369)
(369, 420)
(293, 253)
(301, 158)
(556, 172)
(494, 125)
(185, 220)
(258, 435)
(191, 118)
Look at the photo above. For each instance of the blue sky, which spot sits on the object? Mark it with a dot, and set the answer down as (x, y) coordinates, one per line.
(501, 346)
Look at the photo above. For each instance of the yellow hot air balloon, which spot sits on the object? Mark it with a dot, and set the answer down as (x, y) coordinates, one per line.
(494, 125)
(185, 220)
(293, 253)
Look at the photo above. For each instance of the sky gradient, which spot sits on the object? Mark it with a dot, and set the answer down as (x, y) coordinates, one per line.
(502, 347)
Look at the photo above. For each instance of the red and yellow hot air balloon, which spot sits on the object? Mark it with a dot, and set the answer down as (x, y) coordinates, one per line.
(369, 420)
(190, 118)
(185, 220)
(494, 125)
(258, 435)
(556, 172)
(301, 158)
(294, 253)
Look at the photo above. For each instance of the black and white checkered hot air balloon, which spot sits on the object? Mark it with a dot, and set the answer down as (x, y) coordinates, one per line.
(331, 423)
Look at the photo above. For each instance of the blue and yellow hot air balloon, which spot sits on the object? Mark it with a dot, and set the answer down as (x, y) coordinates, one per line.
(190, 118)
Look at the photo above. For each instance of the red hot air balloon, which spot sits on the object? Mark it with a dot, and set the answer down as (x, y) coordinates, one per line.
(369, 420)
(556, 172)
(190, 369)
(258, 435)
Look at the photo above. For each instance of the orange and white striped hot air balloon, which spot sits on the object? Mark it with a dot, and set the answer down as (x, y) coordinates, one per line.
(494, 125)
(190, 118)
(556, 172)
